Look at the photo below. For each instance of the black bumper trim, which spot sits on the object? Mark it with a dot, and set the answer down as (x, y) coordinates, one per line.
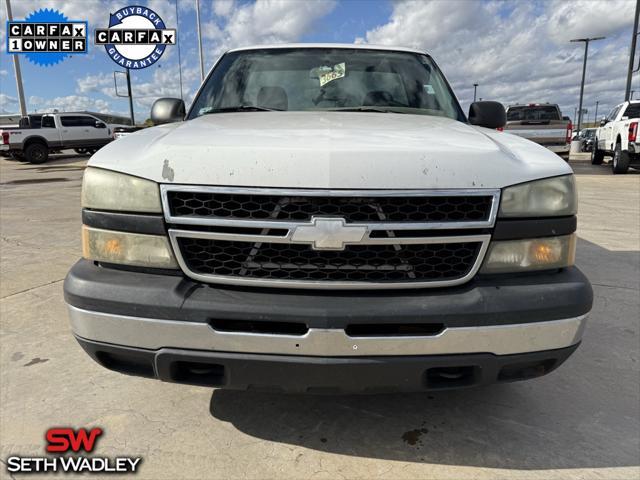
(296, 374)
(125, 222)
(497, 300)
(508, 229)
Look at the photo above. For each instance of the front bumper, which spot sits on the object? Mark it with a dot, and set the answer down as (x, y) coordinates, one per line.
(488, 326)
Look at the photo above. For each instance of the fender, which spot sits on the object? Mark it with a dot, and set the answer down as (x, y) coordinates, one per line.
(35, 138)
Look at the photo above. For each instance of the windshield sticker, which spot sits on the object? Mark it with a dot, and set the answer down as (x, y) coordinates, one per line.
(328, 74)
(429, 89)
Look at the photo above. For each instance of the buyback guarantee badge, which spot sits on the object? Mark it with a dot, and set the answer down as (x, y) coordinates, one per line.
(136, 38)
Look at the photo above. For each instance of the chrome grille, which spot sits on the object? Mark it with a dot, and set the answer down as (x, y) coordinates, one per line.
(329, 239)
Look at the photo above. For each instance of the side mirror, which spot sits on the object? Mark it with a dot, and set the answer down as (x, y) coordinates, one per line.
(603, 121)
(100, 125)
(167, 110)
(487, 114)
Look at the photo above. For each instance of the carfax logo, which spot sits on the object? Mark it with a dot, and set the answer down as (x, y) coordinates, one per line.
(67, 440)
(46, 37)
(136, 38)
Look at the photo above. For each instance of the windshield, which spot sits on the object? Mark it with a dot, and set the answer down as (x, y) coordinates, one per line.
(327, 79)
(532, 113)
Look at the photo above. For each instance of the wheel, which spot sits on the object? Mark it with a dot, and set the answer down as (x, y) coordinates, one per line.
(81, 151)
(91, 151)
(597, 156)
(36, 153)
(621, 160)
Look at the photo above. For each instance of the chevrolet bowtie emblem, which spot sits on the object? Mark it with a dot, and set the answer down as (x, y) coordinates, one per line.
(328, 233)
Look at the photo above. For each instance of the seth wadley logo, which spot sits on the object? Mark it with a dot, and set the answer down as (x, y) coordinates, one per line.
(136, 38)
(68, 440)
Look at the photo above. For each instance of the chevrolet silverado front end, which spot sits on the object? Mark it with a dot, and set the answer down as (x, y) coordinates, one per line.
(328, 220)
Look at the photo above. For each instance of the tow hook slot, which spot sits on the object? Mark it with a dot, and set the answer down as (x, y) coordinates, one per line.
(452, 377)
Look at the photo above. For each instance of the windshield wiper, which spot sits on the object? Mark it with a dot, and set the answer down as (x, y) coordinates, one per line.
(363, 109)
(242, 108)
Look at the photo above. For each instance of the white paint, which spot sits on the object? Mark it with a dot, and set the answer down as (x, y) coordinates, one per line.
(330, 150)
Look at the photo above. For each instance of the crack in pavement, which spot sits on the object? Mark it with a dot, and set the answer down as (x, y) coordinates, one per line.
(31, 288)
(613, 286)
(8, 473)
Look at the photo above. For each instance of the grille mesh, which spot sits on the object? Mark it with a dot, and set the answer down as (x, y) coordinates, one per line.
(352, 209)
(358, 263)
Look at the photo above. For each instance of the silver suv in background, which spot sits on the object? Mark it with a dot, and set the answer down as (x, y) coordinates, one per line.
(541, 123)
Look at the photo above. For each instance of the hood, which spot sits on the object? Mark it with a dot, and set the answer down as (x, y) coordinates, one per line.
(329, 150)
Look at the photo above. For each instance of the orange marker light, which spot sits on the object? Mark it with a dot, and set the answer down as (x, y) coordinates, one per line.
(544, 253)
(113, 247)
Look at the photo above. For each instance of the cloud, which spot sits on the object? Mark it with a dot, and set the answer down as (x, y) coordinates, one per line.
(71, 103)
(519, 51)
(164, 83)
(94, 83)
(223, 8)
(263, 22)
(6, 101)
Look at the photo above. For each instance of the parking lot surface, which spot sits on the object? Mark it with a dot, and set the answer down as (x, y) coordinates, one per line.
(581, 421)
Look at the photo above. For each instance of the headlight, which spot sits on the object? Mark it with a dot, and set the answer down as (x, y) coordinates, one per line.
(127, 248)
(531, 254)
(542, 198)
(107, 190)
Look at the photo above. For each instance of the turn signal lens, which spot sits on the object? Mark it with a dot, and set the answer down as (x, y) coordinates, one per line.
(531, 254)
(126, 248)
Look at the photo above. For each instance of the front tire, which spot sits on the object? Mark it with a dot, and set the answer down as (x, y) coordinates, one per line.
(36, 153)
(597, 156)
(621, 160)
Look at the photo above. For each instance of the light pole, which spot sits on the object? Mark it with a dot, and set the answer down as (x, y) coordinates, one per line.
(632, 54)
(595, 116)
(475, 87)
(584, 71)
(200, 40)
(16, 69)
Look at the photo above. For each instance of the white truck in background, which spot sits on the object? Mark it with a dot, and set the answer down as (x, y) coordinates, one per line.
(57, 131)
(618, 136)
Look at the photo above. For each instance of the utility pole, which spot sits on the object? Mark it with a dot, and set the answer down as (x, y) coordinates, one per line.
(475, 87)
(200, 40)
(133, 120)
(179, 55)
(632, 54)
(584, 71)
(17, 71)
(595, 116)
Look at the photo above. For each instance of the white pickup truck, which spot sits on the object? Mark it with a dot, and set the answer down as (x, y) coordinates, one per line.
(325, 218)
(57, 131)
(618, 136)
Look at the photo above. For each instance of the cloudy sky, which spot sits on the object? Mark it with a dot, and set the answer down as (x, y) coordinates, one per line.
(517, 51)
